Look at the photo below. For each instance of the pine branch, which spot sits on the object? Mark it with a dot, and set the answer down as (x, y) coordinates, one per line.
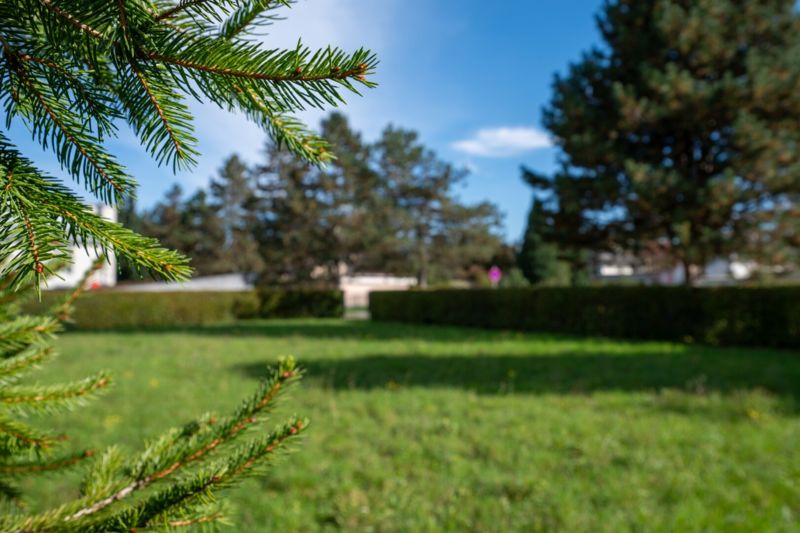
(243, 18)
(16, 437)
(53, 396)
(181, 7)
(63, 311)
(26, 331)
(200, 487)
(149, 468)
(57, 206)
(195, 521)
(50, 466)
(28, 359)
(296, 75)
(85, 28)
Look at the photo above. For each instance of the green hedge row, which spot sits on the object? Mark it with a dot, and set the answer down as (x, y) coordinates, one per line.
(111, 310)
(300, 303)
(122, 310)
(721, 316)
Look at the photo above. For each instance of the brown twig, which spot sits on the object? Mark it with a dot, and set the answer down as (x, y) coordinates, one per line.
(356, 72)
(152, 478)
(71, 19)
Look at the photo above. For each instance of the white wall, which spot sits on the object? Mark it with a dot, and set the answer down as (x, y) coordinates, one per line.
(357, 288)
(83, 259)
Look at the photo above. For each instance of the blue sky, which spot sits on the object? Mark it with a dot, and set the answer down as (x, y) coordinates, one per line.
(471, 76)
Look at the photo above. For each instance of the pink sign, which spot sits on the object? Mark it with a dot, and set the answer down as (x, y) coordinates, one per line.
(495, 275)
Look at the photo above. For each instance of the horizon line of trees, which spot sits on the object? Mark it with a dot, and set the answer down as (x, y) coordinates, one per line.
(390, 206)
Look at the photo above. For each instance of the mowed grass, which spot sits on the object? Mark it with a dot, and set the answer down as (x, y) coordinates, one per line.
(442, 429)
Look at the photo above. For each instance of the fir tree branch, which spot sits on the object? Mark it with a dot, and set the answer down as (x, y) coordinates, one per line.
(29, 358)
(180, 153)
(85, 28)
(37, 263)
(16, 436)
(63, 312)
(34, 467)
(194, 521)
(54, 395)
(68, 135)
(244, 17)
(26, 331)
(184, 494)
(245, 417)
(182, 6)
(297, 75)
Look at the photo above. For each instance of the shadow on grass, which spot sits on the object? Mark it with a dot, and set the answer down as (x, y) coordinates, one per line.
(703, 372)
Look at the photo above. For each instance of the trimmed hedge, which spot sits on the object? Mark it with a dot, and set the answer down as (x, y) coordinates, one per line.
(718, 316)
(128, 310)
(122, 310)
(300, 303)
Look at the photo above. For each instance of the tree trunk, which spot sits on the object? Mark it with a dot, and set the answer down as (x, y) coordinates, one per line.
(422, 271)
(688, 280)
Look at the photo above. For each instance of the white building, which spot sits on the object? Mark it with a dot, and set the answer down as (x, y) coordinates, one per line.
(356, 287)
(84, 258)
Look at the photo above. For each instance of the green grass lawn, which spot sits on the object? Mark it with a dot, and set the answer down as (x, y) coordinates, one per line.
(442, 429)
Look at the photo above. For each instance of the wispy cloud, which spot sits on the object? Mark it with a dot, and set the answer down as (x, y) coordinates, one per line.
(503, 142)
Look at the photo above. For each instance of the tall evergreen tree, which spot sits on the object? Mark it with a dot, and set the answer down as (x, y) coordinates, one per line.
(362, 222)
(537, 258)
(682, 128)
(236, 205)
(297, 232)
(71, 71)
(428, 224)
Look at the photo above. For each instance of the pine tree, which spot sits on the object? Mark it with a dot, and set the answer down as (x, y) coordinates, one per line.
(538, 259)
(682, 128)
(236, 204)
(297, 232)
(431, 230)
(72, 71)
(362, 219)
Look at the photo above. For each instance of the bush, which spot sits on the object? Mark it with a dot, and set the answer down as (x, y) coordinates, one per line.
(300, 303)
(111, 310)
(719, 316)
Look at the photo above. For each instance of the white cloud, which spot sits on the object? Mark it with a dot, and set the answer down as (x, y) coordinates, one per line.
(503, 142)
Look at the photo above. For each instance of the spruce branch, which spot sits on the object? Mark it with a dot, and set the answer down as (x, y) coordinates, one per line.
(28, 359)
(243, 19)
(72, 20)
(63, 311)
(53, 397)
(16, 437)
(182, 6)
(200, 488)
(151, 466)
(50, 466)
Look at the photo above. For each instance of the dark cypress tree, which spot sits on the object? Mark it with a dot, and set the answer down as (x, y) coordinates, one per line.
(682, 128)
(537, 258)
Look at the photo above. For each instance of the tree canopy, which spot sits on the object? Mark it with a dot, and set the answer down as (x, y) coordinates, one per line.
(389, 206)
(681, 128)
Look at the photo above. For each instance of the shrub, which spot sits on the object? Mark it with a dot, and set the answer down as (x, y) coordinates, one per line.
(111, 310)
(720, 316)
(300, 303)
